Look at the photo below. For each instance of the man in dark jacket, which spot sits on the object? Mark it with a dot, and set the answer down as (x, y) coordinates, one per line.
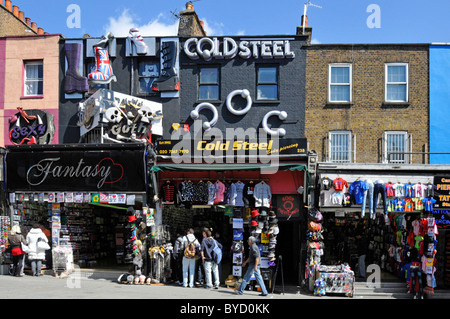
(209, 264)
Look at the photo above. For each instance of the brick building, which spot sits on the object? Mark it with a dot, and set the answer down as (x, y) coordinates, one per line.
(14, 22)
(366, 100)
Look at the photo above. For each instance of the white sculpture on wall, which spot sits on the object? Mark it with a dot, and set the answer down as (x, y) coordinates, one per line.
(206, 125)
(282, 115)
(245, 95)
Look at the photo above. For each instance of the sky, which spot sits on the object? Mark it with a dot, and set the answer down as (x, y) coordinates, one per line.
(336, 21)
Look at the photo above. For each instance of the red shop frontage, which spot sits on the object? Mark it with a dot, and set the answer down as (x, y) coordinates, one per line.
(236, 200)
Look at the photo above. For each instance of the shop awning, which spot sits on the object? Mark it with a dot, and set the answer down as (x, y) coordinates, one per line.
(226, 167)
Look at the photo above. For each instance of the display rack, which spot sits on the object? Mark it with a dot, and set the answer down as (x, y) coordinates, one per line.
(62, 258)
(337, 279)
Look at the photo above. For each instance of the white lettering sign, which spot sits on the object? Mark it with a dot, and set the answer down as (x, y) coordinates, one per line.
(228, 48)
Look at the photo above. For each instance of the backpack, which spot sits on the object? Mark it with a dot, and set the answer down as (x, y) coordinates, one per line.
(189, 251)
(216, 253)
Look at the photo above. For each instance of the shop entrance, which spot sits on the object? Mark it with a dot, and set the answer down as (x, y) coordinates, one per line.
(96, 234)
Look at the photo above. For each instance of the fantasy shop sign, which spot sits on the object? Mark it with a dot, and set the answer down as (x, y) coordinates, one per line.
(76, 171)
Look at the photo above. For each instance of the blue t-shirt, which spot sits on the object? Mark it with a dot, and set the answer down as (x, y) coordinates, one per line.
(428, 203)
(399, 204)
(357, 188)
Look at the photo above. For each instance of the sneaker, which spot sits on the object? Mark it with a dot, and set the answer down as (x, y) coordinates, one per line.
(237, 292)
(263, 295)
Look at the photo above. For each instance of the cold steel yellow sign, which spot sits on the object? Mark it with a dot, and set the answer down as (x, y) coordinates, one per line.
(236, 147)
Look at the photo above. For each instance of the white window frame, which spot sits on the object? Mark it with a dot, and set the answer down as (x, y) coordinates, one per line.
(406, 65)
(27, 80)
(335, 159)
(407, 141)
(350, 84)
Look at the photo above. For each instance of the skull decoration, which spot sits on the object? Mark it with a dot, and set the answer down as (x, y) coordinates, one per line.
(146, 114)
(113, 114)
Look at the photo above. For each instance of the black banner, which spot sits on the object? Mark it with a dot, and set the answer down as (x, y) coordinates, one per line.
(290, 146)
(70, 170)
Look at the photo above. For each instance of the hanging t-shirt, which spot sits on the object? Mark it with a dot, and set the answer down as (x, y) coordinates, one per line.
(220, 191)
(389, 189)
(428, 203)
(347, 201)
(409, 205)
(419, 190)
(429, 190)
(416, 227)
(399, 204)
(357, 189)
(325, 183)
(399, 190)
(409, 191)
(418, 203)
(337, 198)
(340, 184)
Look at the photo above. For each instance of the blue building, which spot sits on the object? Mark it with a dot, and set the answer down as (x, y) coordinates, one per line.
(439, 103)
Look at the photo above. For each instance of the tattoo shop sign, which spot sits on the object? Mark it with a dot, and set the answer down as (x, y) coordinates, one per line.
(76, 171)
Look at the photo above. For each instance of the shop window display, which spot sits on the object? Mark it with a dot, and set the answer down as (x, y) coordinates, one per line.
(400, 228)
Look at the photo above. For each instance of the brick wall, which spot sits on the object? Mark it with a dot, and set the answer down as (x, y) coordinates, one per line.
(13, 25)
(367, 117)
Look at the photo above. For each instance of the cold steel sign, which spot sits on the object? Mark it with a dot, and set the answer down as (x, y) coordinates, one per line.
(228, 48)
(76, 171)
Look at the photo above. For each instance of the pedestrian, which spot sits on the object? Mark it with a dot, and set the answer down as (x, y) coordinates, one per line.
(178, 258)
(15, 240)
(209, 264)
(36, 254)
(219, 240)
(190, 252)
(361, 249)
(253, 261)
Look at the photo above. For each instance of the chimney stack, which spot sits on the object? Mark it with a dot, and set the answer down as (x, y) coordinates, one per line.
(40, 31)
(22, 16)
(192, 26)
(304, 29)
(28, 21)
(8, 5)
(34, 26)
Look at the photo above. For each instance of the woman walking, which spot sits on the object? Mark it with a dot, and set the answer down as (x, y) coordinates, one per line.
(15, 240)
(36, 254)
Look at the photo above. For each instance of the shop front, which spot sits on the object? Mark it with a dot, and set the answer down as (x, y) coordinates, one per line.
(387, 213)
(85, 196)
(235, 199)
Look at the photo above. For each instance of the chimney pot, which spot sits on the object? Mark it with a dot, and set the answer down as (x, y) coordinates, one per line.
(8, 5)
(16, 11)
(34, 26)
(304, 20)
(40, 31)
(189, 6)
(22, 16)
(28, 21)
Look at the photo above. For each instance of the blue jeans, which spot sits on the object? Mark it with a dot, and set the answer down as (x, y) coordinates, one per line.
(362, 265)
(379, 189)
(188, 268)
(367, 193)
(248, 275)
(211, 269)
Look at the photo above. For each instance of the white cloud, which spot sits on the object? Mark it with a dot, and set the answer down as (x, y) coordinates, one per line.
(315, 41)
(120, 26)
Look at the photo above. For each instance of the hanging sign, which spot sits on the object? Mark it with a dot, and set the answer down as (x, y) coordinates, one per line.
(112, 170)
(31, 127)
(287, 206)
(442, 191)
